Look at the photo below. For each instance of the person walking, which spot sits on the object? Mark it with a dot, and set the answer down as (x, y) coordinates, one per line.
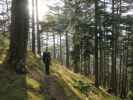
(47, 61)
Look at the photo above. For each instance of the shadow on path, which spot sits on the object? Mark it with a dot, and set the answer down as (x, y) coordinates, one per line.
(52, 89)
(12, 86)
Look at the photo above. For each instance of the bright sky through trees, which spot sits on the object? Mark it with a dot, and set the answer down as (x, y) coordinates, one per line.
(43, 6)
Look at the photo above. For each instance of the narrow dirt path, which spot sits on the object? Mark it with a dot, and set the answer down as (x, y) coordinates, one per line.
(53, 90)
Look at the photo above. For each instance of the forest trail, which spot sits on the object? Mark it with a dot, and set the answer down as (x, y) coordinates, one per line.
(53, 89)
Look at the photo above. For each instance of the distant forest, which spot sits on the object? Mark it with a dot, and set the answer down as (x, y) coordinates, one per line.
(90, 37)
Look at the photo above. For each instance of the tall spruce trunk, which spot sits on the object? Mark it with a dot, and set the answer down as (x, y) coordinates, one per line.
(67, 51)
(101, 61)
(33, 28)
(54, 46)
(114, 47)
(38, 32)
(61, 49)
(96, 45)
(19, 33)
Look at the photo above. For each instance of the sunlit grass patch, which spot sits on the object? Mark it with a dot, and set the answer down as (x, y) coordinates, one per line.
(3, 53)
(20, 87)
(80, 85)
(33, 83)
(34, 96)
(4, 41)
(34, 90)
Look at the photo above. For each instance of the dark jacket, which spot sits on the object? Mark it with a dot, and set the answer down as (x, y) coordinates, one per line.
(46, 57)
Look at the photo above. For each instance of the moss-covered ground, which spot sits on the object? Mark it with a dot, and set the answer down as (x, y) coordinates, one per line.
(79, 85)
(32, 85)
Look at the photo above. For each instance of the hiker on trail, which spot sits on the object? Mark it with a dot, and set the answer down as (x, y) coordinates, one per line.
(47, 61)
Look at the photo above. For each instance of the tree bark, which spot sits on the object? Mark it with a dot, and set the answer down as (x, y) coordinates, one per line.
(38, 32)
(96, 45)
(67, 50)
(54, 46)
(33, 28)
(19, 33)
(61, 50)
(114, 46)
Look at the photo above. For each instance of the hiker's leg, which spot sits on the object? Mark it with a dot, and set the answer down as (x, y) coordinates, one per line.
(47, 69)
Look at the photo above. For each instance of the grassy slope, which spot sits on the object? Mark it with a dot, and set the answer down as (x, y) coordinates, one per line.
(80, 85)
(24, 87)
(30, 86)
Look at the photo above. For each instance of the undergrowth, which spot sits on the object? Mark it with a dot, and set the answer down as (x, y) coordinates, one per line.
(31, 85)
(80, 85)
(20, 87)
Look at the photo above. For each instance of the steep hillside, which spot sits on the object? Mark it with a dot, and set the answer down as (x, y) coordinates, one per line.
(20, 87)
(62, 83)
(80, 85)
